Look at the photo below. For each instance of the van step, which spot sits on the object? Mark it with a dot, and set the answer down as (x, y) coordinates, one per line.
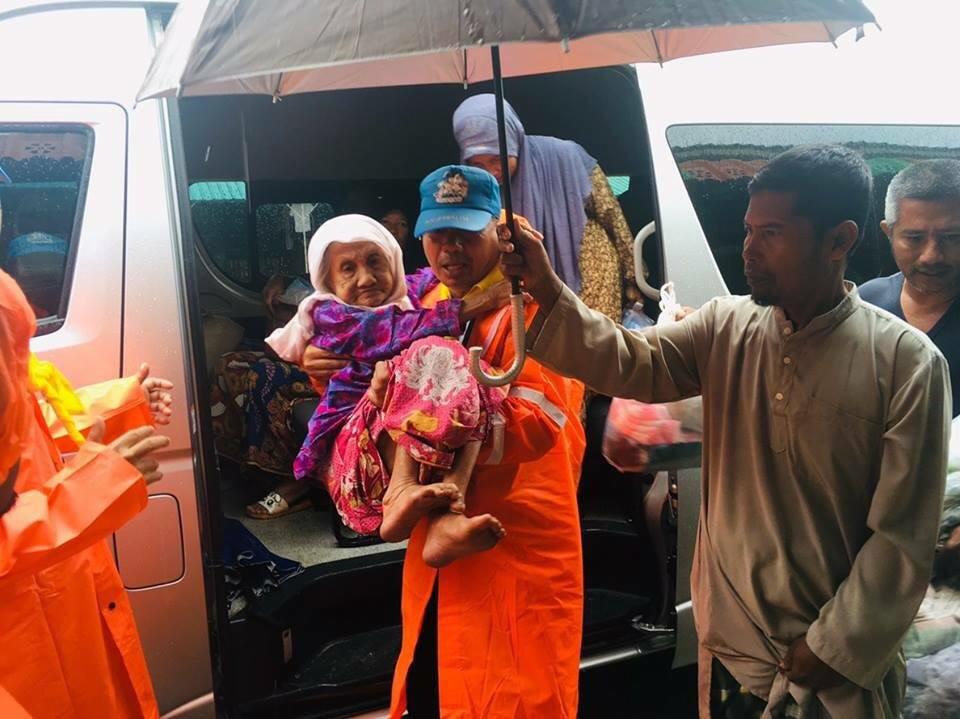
(605, 607)
(355, 660)
(370, 656)
(608, 619)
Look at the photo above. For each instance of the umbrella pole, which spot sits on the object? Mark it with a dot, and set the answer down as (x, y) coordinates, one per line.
(517, 315)
(504, 157)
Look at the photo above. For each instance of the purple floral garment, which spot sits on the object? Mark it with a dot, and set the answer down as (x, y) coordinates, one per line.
(368, 335)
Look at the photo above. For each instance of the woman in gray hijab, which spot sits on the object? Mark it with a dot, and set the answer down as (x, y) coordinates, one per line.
(563, 192)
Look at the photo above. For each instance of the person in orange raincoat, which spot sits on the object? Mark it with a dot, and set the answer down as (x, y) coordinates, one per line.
(496, 634)
(70, 645)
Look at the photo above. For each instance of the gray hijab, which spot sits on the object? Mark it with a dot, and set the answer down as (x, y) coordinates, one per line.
(552, 182)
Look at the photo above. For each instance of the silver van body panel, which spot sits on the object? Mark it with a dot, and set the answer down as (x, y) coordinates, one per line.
(126, 218)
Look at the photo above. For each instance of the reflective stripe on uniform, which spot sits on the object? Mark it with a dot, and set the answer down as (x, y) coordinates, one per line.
(540, 399)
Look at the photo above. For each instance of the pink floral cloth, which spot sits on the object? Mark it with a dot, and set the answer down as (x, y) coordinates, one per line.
(433, 406)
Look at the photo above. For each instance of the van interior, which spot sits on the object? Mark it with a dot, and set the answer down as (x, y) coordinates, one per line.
(261, 177)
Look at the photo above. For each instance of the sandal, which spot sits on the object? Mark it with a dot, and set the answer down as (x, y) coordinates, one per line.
(274, 506)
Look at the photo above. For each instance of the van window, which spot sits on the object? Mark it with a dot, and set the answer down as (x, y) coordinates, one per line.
(717, 162)
(283, 233)
(43, 182)
(219, 213)
(282, 230)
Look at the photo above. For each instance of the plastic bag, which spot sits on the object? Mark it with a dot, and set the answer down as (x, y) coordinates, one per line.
(669, 307)
(633, 427)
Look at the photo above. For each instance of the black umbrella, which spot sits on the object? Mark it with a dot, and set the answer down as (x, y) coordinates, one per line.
(283, 47)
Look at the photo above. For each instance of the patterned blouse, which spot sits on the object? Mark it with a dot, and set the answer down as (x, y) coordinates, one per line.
(606, 252)
(368, 336)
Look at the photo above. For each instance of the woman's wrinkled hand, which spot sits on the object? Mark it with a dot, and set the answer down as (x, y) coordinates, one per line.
(321, 365)
(377, 392)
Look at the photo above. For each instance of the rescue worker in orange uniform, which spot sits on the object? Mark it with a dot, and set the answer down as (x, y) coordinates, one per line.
(497, 633)
(70, 645)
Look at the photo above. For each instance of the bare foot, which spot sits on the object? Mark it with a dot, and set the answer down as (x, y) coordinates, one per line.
(453, 536)
(403, 510)
(459, 474)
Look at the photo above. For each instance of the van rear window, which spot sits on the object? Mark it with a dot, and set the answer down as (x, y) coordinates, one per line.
(43, 178)
(282, 231)
(717, 161)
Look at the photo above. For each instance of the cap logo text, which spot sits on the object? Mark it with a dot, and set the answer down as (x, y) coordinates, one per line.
(452, 189)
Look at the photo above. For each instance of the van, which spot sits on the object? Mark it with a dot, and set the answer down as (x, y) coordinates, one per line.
(172, 214)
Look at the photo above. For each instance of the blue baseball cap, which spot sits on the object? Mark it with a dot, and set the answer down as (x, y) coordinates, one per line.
(457, 197)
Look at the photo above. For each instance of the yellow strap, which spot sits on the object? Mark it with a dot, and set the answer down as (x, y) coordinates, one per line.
(50, 382)
(495, 276)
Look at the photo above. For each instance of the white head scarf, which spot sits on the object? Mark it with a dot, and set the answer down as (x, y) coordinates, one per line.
(291, 340)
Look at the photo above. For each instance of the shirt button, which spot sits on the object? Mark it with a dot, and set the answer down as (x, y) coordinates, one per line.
(778, 396)
(111, 606)
(787, 331)
(787, 360)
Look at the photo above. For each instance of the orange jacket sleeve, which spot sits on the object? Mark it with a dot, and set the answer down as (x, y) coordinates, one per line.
(95, 494)
(121, 403)
(10, 708)
(529, 423)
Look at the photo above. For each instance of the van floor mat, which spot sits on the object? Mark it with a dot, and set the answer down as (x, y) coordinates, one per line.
(357, 659)
(606, 608)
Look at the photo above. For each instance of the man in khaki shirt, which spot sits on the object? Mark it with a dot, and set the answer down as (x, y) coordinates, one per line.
(826, 424)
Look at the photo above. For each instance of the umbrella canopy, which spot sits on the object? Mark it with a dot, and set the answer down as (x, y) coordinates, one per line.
(284, 47)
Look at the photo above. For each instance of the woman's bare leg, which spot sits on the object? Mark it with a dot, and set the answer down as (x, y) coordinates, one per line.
(452, 535)
(406, 501)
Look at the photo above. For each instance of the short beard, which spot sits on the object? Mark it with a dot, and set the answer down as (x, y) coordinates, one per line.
(762, 300)
(943, 285)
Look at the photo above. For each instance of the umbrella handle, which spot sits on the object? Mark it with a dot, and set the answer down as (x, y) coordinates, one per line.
(518, 326)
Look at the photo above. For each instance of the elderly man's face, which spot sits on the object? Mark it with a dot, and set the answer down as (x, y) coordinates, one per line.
(461, 259)
(925, 241)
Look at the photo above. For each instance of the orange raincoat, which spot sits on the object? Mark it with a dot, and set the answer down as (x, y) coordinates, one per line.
(510, 619)
(9, 708)
(70, 645)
